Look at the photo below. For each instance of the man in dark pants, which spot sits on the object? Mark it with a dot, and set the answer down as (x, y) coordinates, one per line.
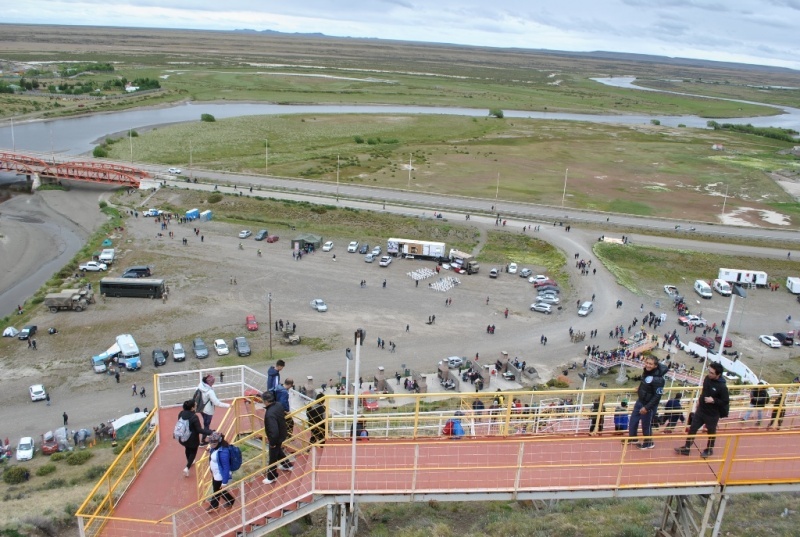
(712, 405)
(651, 388)
(275, 428)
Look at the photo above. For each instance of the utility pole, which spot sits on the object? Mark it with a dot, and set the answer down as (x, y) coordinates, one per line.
(409, 170)
(725, 199)
(497, 190)
(191, 173)
(359, 335)
(337, 177)
(564, 195)
(269, 298)
(266, 156)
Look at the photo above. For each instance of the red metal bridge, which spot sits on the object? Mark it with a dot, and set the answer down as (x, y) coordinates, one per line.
(88, 171)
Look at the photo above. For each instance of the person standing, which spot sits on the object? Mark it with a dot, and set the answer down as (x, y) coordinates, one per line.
(47, 398)
(275, 429)
(66, 419)
(219, 462)
(208, 402)
(116, 376)
(651, 388)
(674, 412)
(190, 446)
(316, 418)
(713, 404)
(759, 397)
(274, 375)
(133, 390)
(282, 396)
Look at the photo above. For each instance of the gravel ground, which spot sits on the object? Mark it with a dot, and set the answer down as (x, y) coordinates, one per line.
(204, 302)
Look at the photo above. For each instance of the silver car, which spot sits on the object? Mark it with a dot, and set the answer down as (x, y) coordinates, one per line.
(542, 307)
(549, 299)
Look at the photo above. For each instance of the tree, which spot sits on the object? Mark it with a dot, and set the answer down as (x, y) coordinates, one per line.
(496, 112)
(207, 117)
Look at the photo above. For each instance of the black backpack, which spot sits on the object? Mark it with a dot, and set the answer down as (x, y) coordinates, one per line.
(197, 398)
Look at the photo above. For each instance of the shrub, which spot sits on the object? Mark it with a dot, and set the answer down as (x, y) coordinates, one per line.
(358, 139)
(58, 456)
(496, 112)
(48, 468)
(207, 117)
(95, 472)
(100, 152)
(76, 458)
(14, 475)
(655, 122)
(103, 204)
(215, 198)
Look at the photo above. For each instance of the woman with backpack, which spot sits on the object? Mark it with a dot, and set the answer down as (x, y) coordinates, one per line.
(187, 433)
(208, 401)
(220, 466)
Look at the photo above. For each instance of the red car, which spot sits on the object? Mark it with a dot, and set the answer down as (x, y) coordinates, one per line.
(544, 283)
(705, 342)
(728, 342)
(272, 238)
(251, 323)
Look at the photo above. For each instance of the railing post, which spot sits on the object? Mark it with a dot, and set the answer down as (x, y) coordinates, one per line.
(174, 525)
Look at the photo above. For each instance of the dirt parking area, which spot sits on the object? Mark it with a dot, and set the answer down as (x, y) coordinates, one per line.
(204, 302)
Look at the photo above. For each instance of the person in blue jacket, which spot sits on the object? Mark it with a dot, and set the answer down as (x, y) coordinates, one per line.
(220, 466)
(274, 375)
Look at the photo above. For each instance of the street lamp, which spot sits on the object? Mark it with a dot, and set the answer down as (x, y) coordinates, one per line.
(564, 195)
(269, 299)
(359, 341)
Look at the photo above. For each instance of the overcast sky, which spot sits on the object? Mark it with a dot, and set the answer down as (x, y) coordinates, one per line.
(750, 31)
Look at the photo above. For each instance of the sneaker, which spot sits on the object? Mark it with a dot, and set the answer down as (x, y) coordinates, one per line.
(185, 472)
(646, 445)
(229, 505)
(211, 508)
(287, 467)
(707, 453)
(268, 481)
(630, 441)
(683, 450)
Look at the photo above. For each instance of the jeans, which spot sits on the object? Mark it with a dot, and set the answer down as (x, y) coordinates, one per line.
(225, 495)
(206, 422)
(647, 423)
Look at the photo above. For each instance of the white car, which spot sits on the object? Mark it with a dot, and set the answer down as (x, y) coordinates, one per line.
(175, 171)
(319, 304)
(221, 347)
(542, 307)
(538, 278)
(178, 352)
(385, 261)
(455, 362)
(770, 341)
(352, 247)
(525, 273)
(549, 299)
(585, 309)
(93, 266)
(691, 320)
(512, 268)
(25, 449)
(37, 392)
(328, 246)
(243, 234)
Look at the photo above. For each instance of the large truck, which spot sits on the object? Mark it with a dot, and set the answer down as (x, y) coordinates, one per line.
(414, 248)
(793, 285)
(464, 262)
(755, 277)
(69, 299)
(128, 352)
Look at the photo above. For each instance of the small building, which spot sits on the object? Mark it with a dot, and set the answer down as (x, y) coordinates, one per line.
(206, 216)
(192, 214)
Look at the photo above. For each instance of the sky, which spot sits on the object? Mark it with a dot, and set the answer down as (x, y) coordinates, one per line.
(760, 32)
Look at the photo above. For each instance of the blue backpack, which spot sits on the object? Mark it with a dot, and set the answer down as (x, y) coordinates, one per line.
(235, 457)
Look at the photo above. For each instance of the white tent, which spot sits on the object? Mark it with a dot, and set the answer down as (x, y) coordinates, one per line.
(10, 332)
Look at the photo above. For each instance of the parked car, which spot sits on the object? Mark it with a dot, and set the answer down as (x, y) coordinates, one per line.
(542, 307)
(250, 323)
(377, 251)
(385, 261)
(691, 320)
(512, 268)
(160, 357)
(671, 290)
(493, 273)
(272, 238)
(364, 249)
(241, 346)
(542, 283)
(38, 393)
(728, 342)
(92, 266)
(200, 349)
(319, 305)
(369, 258)
(221, 347)
(455, 362)
(152, 212)
(178, 353)
(786, 338)
(706, 342)
(328, 246)
(243, 234)
(538, 278)
(27, 332)
(352, 247)
(585, 309)
(549, 299)
(175, 171)
(25, 448)
(770, 341)
(261, 235)
(549, 289)
(525, 273)
(137, 272)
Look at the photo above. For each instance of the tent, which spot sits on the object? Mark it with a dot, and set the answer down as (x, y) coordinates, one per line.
(10, 332)
(107, 243)
(305, 239)
(127, 425)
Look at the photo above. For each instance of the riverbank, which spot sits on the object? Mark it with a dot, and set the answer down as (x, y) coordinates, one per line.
(39, 234)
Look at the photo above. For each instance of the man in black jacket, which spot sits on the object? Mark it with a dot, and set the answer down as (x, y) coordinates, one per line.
(316, 415)
(712, 405)
(651, 388)
(275, 428)
(190, 446)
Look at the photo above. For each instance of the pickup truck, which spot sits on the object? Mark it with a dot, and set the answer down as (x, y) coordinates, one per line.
(92, 266)
(152, 212)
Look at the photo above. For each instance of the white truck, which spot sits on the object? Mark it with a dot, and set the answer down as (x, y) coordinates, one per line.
(107, 256)
(793, 285)
(755, 277)
(415, 248)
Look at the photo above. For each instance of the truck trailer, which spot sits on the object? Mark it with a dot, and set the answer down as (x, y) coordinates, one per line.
(793, 285)
(415, 248)
(755, 277)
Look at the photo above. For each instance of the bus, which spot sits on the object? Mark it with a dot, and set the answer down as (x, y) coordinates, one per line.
(132, 287)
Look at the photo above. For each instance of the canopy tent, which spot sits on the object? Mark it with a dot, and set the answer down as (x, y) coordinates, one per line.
(10, 331)
(304, 239)
(127, 425)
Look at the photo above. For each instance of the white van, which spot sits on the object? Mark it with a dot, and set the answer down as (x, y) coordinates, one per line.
(702, 289)
(722, 287)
